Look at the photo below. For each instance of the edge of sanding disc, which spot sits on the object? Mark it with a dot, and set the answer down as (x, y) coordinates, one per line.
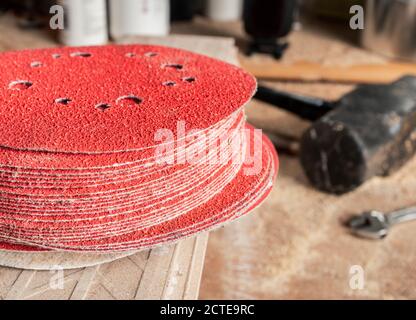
(265, 186)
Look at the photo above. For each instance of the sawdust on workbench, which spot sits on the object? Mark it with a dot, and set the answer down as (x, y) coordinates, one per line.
(295, 245)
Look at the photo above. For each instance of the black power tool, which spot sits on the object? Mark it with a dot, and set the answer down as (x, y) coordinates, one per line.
(266, 21)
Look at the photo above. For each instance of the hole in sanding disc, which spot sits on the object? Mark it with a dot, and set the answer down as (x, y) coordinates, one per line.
(81, 54)
(56, 56)
(174, 66)
(36, 64)
(129, 100)
(189, 79)
(20, 85)
(103, 106)
(102, 78)
(130, 55)
(64, 101)
(150, 54)
(169, 83)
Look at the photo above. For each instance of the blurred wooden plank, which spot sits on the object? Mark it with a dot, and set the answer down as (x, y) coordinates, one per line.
(311, 71)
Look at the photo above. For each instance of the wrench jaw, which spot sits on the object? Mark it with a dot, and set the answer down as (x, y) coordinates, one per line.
(370, 225)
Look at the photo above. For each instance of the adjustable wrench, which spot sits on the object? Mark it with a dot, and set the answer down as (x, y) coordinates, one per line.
(375, 224)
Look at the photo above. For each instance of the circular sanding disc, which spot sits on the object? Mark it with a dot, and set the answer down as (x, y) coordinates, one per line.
(242, 195)
(112, 98)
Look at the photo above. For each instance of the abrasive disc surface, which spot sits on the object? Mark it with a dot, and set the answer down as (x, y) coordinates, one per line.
(48, 164)
(112, 98)
(77, 148)
(239, 197)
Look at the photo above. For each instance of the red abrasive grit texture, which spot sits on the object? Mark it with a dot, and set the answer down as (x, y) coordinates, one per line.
(239, 197)
(147, 172)
(79, 162)
(162, 182)
(136, 180)
(112, 98)
(142, 210)
(50, 164)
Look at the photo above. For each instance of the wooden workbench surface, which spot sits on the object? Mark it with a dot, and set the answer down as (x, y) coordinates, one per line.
(295, 246)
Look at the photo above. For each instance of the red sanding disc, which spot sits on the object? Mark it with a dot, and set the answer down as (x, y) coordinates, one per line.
(47, 164)
(238, 198)
(78, 169)
(112, 98)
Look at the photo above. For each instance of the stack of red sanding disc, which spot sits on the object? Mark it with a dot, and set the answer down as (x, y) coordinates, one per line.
(121, 148)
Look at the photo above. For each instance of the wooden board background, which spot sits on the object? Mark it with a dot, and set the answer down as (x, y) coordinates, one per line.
(295, 245)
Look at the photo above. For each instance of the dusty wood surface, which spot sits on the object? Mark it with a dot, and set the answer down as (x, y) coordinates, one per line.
(55, 260)
(294, 246)
(308, 71)
(172, 272)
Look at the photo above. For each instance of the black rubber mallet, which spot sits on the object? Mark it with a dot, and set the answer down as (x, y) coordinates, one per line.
(369, 132)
